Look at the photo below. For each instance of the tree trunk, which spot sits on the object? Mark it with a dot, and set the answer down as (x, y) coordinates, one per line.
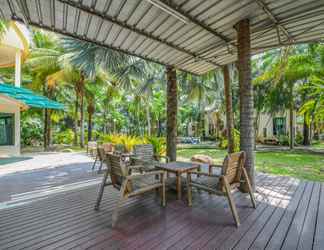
(229, 110)
(291, 128)
(45, 129)
(76, 118)
(49, 128)
(81, 91)
(291, 121)
(82, 120)
(246, 98)
(306, 132)
(148, 119)
(89, 127)
(172, 108)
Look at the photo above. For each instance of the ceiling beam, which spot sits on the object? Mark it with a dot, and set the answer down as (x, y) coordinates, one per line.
(274, 19)
(92, 11)
(196, 22)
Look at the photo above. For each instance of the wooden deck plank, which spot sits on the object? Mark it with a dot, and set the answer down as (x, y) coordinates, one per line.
(65, 229)
(42, 216)
(319, 233)
(264, 236)
(156, 238)
(278, 236)
(68, 221)
(229, 235)
(306, 237)
(295, 228)
(247, 240)
(209, 233)
(216, 222)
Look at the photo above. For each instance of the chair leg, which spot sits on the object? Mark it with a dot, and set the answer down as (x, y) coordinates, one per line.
(100, 167)
(115, 212)
(189, 190)
(231, 202)
(119, 203)
(101, 190)
(163, 198)
(94, 164)
(246, 177)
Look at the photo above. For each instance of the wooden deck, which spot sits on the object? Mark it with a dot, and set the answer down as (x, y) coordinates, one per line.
(289, 215)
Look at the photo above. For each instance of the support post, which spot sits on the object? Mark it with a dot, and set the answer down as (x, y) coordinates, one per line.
(246, 97)
(18, 69)
(17, 84)
(229, 110)
(172, 107)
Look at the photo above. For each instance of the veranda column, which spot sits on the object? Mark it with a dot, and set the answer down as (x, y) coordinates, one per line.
(229, 109)
(246, 95)
(17, 84)
(172, 107)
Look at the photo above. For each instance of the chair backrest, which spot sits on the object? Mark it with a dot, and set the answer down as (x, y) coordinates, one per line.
(108, 147)
(144, 151)
(117, 168)
(101, 153)
(92, 144)
(119, 148)
(232, 167)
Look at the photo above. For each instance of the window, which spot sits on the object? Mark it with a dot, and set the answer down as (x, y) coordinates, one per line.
(7, 129)
(279, 126)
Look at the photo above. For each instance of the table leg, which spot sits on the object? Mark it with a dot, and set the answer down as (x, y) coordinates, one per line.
(178, 186)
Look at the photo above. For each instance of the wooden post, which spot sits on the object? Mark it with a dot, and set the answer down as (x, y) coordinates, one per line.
(229, 110)
(246, 97)
(172, 107)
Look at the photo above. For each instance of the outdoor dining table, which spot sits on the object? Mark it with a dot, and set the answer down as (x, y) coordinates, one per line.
(178, 168)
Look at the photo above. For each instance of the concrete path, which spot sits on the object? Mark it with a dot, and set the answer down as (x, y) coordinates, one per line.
(38, 175)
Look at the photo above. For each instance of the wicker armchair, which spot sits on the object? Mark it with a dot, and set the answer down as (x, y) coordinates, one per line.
(232, 175)
(129, 184)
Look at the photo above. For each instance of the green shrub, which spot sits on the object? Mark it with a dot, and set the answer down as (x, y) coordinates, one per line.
(127, 141)
(64, 137)
(159, 144)
(223, 142)
(283, 140)
(299, 138)
(31, 132)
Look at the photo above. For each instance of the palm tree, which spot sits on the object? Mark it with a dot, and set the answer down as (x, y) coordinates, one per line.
(44, 61)
(69, 75)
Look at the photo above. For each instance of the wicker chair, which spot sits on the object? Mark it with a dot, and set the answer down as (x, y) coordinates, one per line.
(129, 184)
(232, 175)
(144, 155)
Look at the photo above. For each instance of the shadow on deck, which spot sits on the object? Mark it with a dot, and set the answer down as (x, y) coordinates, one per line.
(289, 215)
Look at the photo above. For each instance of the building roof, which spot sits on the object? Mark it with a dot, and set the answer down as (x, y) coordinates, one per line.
(28, 97)
(192, 35)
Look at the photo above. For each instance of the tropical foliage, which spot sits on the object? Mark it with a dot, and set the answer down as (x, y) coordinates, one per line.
(116, 98)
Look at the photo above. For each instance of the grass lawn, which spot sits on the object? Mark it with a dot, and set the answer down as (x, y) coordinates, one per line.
(293, 163)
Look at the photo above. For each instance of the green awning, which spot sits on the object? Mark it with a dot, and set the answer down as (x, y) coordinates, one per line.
(29, 97)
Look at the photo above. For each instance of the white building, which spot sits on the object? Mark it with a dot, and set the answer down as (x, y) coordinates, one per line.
(14, 48)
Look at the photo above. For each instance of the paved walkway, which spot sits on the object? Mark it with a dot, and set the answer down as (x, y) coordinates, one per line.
(37, 175)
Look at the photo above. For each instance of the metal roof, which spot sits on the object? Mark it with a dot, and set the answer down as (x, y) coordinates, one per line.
(28, 97)
(205, 39)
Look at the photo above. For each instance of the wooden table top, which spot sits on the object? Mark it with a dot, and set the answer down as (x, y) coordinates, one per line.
(178, 166)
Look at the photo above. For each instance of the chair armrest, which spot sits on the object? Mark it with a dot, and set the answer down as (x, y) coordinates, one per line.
(215, 166)
(167, 159)
(204, 174)
(136, 176)
(139, 167)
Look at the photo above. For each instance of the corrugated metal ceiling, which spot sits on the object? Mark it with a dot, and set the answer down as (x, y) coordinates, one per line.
(205, 41)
